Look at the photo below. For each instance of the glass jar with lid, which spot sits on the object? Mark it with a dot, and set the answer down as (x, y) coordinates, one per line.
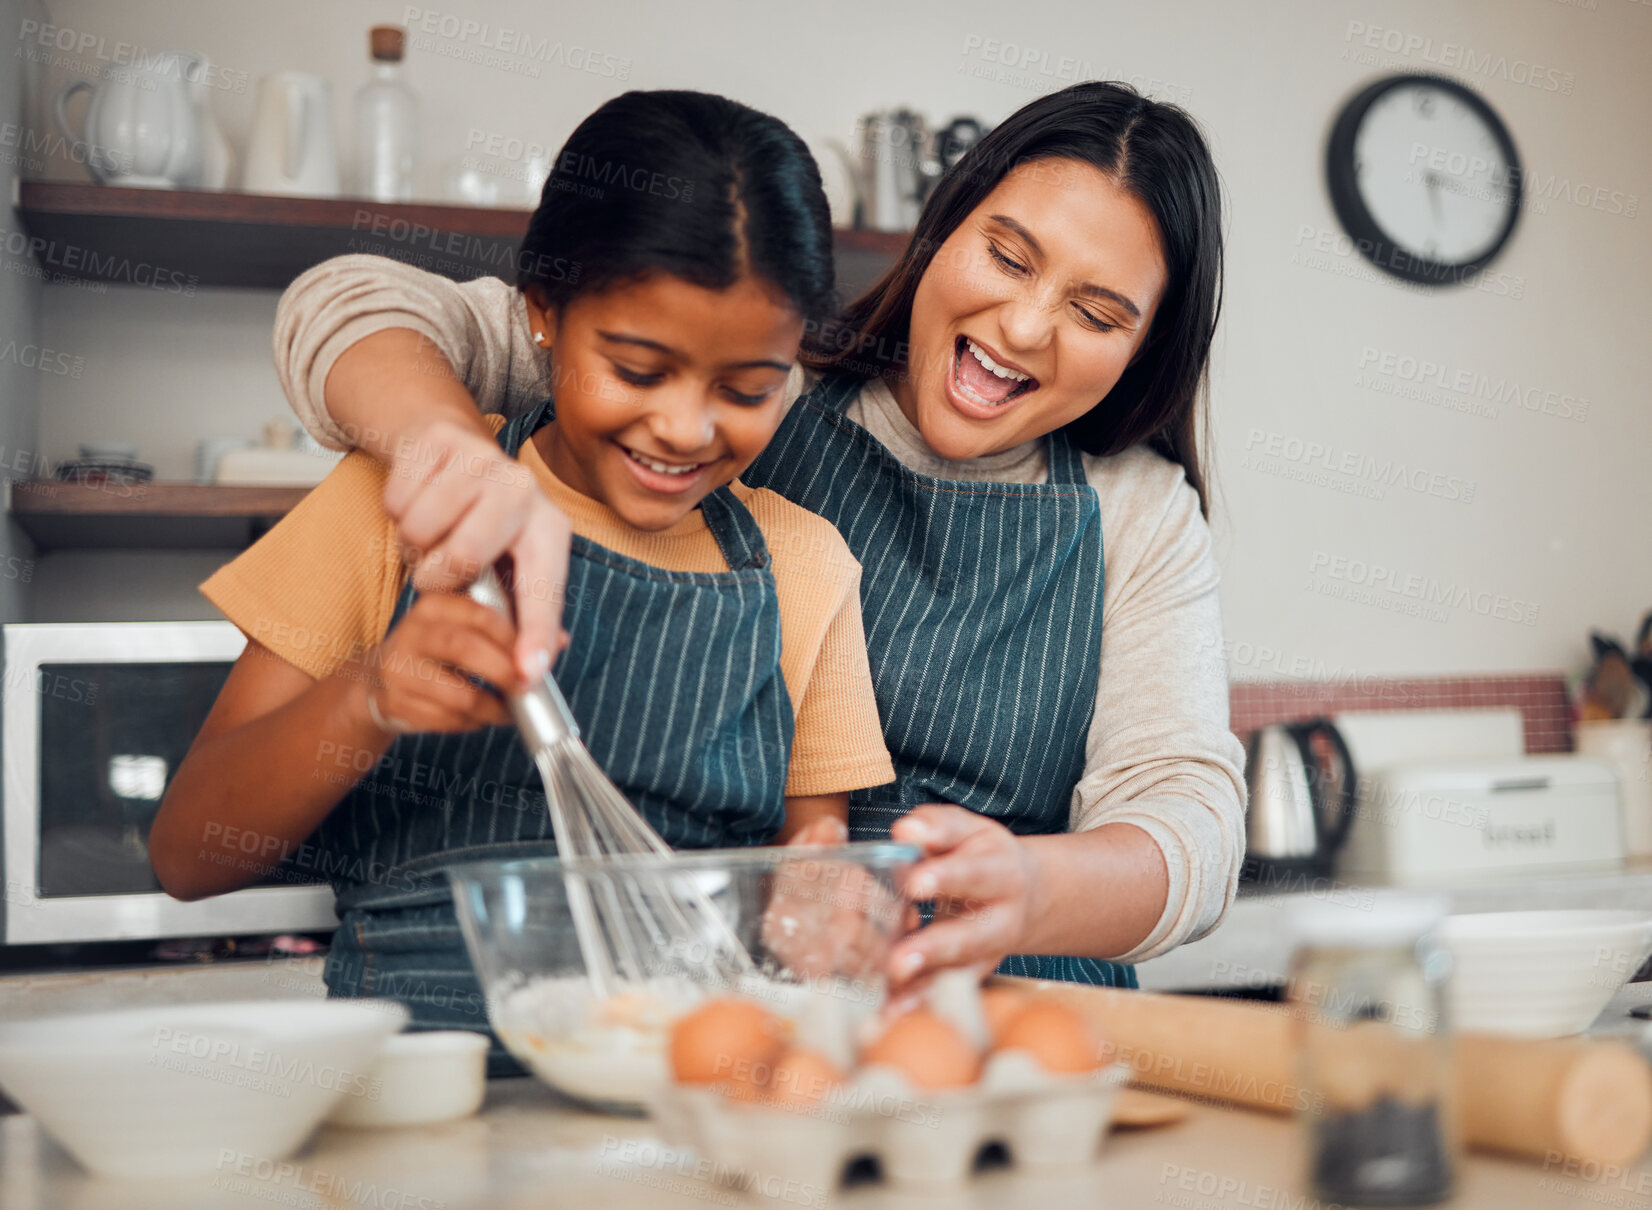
(1367, 991)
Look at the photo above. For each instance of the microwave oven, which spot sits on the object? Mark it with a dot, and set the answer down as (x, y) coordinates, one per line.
(95, 718)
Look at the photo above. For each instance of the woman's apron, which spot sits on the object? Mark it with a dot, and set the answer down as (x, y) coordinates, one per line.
(982, 605)
(674, 678)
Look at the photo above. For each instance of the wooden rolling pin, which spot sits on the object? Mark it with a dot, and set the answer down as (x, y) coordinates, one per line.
(1547, 1099)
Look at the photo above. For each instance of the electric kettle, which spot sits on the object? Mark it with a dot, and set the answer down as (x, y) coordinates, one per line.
(1303, 789)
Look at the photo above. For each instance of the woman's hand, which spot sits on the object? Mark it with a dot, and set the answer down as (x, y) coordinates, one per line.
(419, 679)
(460, 502)
(829, 917)
(983, 880)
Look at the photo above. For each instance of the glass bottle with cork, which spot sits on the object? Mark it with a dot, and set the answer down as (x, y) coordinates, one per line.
(386, 122)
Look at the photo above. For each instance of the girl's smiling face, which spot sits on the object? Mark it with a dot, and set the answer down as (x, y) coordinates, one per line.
(665, 390)
(1031, 309)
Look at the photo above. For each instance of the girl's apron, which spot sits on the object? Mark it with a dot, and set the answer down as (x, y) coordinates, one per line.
(675, 680)
(983, 624)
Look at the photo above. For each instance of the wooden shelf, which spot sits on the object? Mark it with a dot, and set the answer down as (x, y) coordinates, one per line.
(885, 243)
(177, 239)
(165, 516)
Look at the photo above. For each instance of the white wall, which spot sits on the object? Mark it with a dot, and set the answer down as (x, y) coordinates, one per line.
(1558, 519)
(21, 357)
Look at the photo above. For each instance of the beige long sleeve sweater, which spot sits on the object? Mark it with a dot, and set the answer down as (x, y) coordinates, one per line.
(1159, 753)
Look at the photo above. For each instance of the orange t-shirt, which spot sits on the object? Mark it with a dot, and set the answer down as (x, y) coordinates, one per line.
(321, 586)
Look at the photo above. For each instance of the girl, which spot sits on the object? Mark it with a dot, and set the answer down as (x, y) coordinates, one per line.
(1004, 429)
(717, 663)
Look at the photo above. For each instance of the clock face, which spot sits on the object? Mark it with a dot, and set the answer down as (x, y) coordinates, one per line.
(1425, 177)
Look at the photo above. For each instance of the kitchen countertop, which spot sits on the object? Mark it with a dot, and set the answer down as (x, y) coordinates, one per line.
(1252, 946)
(85, 990)
(530, 1148)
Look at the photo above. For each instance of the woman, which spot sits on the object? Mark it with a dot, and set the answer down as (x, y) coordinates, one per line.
(1023, 383)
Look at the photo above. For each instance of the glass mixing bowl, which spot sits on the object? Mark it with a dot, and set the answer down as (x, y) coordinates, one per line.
(816, 924)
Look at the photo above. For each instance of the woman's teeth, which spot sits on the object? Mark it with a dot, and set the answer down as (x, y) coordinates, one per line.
(664, 468)
(990, 364)
(983, 381)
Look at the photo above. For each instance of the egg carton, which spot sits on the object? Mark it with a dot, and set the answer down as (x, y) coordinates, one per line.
(919, 1137)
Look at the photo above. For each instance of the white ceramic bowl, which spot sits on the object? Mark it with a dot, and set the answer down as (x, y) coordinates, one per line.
(172, 1090)
(1541, 974)
(432, 1076)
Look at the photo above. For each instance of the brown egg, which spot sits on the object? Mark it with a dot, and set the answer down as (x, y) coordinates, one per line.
(998, 1005)
(1057, 1036)
(931, 1052)
(802, 1077)
(726, 1041)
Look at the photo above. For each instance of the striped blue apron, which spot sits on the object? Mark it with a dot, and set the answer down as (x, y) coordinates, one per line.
(675, 680)
(983, 624)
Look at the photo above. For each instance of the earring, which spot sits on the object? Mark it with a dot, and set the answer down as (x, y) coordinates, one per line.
(539, 338)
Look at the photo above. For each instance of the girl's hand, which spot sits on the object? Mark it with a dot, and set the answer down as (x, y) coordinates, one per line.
(460, 502)
(419, 675)
(984, 885)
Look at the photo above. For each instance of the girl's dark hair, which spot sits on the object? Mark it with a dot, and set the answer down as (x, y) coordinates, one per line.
(1153, 150)
(685, 183)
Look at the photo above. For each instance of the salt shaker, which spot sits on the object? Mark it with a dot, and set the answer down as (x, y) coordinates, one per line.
(1367, 991)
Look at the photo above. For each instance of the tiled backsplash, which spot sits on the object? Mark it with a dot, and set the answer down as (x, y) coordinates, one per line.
(1541, 698)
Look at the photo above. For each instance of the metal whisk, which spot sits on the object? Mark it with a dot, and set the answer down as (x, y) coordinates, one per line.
(625, 917)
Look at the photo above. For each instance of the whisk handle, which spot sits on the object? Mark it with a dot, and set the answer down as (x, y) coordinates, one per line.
(540, 711)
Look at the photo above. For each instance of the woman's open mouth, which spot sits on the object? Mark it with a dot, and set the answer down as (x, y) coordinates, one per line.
(981, 381)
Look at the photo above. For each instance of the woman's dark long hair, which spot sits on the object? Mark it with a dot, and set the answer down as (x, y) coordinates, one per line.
(1154, 151)
(685, 183)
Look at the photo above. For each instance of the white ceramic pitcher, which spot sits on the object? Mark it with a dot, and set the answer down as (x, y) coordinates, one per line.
(292, 149)
(140, 128)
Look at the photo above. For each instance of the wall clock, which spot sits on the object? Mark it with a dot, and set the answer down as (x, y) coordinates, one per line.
(1424, 177)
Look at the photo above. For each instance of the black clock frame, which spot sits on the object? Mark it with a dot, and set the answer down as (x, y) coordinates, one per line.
(1372, 241)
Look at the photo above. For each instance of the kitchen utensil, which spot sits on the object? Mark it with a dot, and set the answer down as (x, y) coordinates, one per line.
(1625, 745)
(209, 450)
(816, 923)
(591, 818)
(954, 139)
(419, 1078)
(113, 471)
(1541, 974)
(140, 129)
(217, 158)
(840, 178)
(291, 149)
(1613, 687)
(108, 451)
(169, 1091)
(883, 183)
(894, 151)
(1588, 1100)
(1423, 822)
(1293, 824)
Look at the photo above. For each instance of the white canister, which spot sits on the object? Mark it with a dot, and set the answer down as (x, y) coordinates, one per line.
(1626, 745)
